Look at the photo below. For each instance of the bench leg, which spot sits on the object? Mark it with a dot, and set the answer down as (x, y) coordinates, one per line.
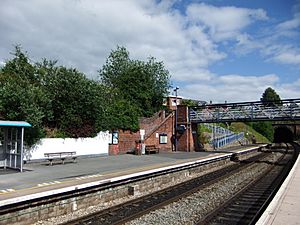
(51, 163)
(63, 161)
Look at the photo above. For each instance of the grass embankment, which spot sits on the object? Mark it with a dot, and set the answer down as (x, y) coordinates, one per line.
(249, 131)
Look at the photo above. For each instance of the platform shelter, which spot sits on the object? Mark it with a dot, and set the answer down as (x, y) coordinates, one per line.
(12, 144)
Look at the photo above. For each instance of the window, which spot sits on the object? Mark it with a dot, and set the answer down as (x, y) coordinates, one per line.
(114, 138)
(174, 102)
(163, 138)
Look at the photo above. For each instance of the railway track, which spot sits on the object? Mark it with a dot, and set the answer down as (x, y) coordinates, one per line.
(123, 213)
(248, 204)
(244, 207)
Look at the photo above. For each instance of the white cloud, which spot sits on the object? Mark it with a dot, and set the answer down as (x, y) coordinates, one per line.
(236, 88)
(287, 54)
(293, 23)
(238, 80)
(232, 88)
(278, 43)
(290, 90)
(290, 24)
(81, 33)
(288, 57)
(193, 75)
(224, 22)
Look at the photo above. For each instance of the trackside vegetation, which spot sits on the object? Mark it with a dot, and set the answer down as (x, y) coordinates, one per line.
(62, 102)
(269, 98)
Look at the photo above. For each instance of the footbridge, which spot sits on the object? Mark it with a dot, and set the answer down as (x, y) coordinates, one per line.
(284, 110)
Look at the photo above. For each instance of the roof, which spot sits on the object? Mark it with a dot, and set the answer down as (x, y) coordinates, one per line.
(174, 96)
(5, 123)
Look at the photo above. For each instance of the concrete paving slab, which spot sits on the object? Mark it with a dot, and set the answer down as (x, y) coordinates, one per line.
(285, 207)
(40, 177)
(39, 173)
(286, 220)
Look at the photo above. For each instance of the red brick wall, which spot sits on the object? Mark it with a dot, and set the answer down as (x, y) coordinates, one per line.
(185, 141)
(113, 149)
(148, 124)
(156, 125)
(127, 141)
(167, 127)
(153, 126)
(194, 142)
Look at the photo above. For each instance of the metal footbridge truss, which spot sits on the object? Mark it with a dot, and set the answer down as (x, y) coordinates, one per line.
(288, 109)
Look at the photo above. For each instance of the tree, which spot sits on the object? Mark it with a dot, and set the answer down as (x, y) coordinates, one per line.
(50, 97)
(76, 100)
(140, 85)
(21, 96)
(190, 102)
(265, 128)
(270, 98)
(63, 100)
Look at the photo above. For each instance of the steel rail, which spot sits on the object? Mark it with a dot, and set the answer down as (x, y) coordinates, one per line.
(138, 207)
(258, 194)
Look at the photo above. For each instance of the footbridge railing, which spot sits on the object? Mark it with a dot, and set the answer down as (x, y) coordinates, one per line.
(288, 109)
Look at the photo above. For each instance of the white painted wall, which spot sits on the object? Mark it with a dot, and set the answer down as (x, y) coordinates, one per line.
(82, 146)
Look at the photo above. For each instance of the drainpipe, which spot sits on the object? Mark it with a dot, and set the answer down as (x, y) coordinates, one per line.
(176, 118)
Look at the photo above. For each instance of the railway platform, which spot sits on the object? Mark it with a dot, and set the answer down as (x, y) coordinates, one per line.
(40, 179)
(285, 206)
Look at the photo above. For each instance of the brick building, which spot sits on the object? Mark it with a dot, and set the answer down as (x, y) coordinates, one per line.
(159, 130)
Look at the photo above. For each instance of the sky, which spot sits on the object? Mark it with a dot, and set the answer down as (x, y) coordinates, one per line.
(215, 50)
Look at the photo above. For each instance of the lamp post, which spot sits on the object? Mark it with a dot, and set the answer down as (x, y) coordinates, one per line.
(176, 117)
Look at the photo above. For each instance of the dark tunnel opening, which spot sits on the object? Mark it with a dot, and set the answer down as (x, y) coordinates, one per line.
(283, 134)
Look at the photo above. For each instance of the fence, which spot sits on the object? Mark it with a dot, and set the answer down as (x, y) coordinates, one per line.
(219, 142)
(222, 136)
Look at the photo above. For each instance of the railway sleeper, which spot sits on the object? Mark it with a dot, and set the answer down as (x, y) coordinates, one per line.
(130, 210)
(239, 216)
(228, 220)
(251, 209)
(246, 199)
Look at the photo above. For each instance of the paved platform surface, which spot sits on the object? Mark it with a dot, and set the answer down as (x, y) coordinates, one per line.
(41, 177)
(285, 207)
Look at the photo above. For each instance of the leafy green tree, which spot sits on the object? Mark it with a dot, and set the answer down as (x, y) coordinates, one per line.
(64, 100)
(50, 97)
(122, 115)
(142, 85)
(76, 101)
(265, 128)
(21, 96)
(190, 102)
(270, 97)
(20, 66)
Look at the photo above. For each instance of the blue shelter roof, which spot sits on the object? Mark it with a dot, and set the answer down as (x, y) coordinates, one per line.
(4, 123)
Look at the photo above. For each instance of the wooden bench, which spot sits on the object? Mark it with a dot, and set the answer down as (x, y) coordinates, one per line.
(151, 149)
(60, 156)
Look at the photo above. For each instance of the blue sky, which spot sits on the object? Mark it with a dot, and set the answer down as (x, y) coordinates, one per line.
(277, 12)
(214, 49)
